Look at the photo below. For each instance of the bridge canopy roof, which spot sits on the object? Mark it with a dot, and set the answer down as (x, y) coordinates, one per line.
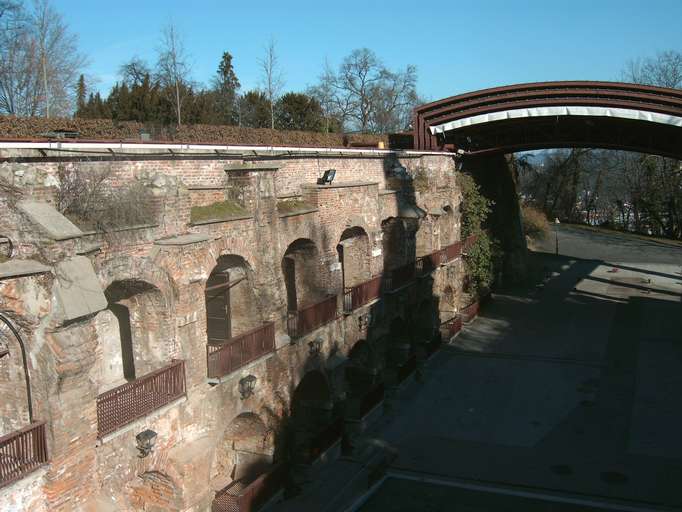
(554, 114)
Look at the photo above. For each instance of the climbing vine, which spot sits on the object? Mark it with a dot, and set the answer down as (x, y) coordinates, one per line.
(480, 260)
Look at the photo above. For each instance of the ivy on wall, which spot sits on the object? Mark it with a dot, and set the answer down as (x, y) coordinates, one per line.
(481, 257)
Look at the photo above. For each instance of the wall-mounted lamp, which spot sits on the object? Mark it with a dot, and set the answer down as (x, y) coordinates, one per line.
(327, 177)
(145, 442)
(364, 321)
(247, 385)
(315, 347)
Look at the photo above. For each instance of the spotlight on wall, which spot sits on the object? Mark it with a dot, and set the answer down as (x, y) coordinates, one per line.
(327, 177)
(247, 385)
(145, 442)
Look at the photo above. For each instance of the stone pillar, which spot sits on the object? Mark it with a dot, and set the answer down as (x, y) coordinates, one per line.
(494, 177)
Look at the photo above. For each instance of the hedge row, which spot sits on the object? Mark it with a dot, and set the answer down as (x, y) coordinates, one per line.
(106, 129)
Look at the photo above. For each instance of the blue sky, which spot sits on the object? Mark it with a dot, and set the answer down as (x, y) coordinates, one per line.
(457, 46)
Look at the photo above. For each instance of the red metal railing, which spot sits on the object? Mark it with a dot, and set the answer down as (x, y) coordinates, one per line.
(236, 352)
(309, 318)
(453, 251)
(430, 262)
(21, 452)
(359, 295)
(398, 277)
(133, 400)
(371, 400)
(452, 326)
(468, 243)
(248, 497)
(469, 313)
(326, 439)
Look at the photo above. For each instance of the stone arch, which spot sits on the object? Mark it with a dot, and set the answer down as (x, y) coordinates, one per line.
(448, 303)
(362, 370)
(244, 450)
(232, 307)
(312, 411)
(303, 273)
(354, 255)
(16, 408)
(395, 247)
(154, 491)
(448, 225)
(399, 343)
(136, 331)
(425, 321)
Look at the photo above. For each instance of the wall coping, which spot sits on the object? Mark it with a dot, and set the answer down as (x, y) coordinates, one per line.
(19, 268)
(187, 239)
(298, 212)
(217, 221)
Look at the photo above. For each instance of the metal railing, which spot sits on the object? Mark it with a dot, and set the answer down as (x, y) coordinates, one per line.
(21, 452)
(236, 352)
(452, 326)
(133, 400)
(359, 295)
(399, 277)
(469, 312)
(309, 318)
(248, 497)
(453, 251)
(427, 264)
(468, 243)
(325, 439)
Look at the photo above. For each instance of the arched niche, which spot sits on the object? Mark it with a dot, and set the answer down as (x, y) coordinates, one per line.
(303, 274)
(354, 255)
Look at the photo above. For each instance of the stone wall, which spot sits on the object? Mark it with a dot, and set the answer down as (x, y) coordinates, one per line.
(158, 274)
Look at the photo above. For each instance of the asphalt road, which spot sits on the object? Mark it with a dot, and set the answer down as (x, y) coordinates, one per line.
(572, 388)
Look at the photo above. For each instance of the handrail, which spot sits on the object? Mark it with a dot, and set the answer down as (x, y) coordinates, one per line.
(133, 400)
(224, 358)
(312, 316)
(22, 452)
(359, 295)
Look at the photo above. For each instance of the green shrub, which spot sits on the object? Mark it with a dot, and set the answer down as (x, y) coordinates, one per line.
(483, 255)
(535, 223)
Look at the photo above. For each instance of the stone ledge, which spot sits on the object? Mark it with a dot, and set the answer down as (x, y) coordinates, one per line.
(19, 268)
(191, 238)
(119, 230)
(50, 220)
(298, 212)
(387, 192)
(217, 221)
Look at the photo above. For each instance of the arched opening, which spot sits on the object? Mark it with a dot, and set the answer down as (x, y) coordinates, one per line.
(135, 331)
(315, 421)
(15, 405)
(399, 347)
(154, 491)
(395, 243)
(244, 451)
(448, 226)
(303, 274)
(231, 305)
(354, 256)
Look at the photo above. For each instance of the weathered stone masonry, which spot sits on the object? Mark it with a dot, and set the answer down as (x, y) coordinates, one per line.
(97, 312)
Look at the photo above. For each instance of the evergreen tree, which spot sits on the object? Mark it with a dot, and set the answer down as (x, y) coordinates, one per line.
(81, 94)
(225, 88)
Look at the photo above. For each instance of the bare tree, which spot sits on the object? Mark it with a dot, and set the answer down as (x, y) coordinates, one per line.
(272, 78)
(39, 61)
(368, 95)
(664, 70)
(134, 72)
(172, 68)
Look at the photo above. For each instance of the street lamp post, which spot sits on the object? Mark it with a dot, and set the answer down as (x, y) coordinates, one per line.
(556, 235)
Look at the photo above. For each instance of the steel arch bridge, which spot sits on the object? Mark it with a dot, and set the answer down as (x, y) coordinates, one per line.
(546, 115)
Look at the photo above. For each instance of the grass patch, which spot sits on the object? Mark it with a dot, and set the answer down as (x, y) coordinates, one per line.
(221, 210)
(292, 205)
